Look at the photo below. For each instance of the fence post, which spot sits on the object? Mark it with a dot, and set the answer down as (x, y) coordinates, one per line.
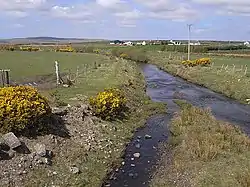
(57, 73)
(2, 77)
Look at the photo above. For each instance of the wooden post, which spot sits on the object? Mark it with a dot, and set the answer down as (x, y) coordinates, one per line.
(245, 70)
(57, 73)
(2, 77)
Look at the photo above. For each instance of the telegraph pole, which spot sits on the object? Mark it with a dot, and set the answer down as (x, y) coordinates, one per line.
(189, 29)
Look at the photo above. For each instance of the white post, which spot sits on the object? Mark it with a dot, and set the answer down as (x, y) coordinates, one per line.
(57, 73)
(189, 28)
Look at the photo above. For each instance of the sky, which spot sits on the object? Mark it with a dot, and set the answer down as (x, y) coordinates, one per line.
(126, 19)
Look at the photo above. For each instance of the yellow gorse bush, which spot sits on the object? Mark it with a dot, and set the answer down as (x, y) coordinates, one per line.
(97, 51)
(21, 107)
(124, 55)
(108, 104)
(197, 62)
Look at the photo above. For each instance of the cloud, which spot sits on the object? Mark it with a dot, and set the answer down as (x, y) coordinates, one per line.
(111, 4)
(79, 13)
(21, 8)
(168, 9)
(233, 7)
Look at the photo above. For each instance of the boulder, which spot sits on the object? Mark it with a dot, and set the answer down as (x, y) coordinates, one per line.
(40, 150)
(11, 140)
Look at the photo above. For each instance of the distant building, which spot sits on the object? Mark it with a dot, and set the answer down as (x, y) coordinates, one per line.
(246, 43)
(171, 42)
(128, 43)
(141, 43)
(196, 43)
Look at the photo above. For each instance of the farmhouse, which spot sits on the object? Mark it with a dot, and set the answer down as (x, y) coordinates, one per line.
(128, 43)
(141, 43)
(196, 43)
(174, 43)
(246, 43)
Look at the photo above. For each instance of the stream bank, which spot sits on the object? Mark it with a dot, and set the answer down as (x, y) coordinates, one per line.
(165, 88)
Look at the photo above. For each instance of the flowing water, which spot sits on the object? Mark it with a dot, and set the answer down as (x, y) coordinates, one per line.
(163, 87)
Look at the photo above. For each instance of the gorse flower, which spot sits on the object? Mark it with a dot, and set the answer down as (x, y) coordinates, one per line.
(201, 61)
(21, 107)
(108, 104)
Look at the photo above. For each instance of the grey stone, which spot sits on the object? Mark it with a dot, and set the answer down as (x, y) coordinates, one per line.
(74, 170)
(11, 140)
(137, 155)
(48, 161)
(148, 136)
(11, 153)
(138, 146)
(40, 149)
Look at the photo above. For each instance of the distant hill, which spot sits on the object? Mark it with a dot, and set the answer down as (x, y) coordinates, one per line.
(45, 39)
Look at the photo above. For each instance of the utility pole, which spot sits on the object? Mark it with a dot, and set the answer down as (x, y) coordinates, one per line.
(189, 29)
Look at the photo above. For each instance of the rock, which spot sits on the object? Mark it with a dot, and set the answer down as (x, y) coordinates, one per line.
(48, 161)
(131, 174)
(139, 137)
(148, 136)
(138, 146)
(65, 85)
(49, 154)
(40, 149)
(11, 140)
(11, 153)
(132, 165)
(137, 155)
(60, 111)
(74, 170)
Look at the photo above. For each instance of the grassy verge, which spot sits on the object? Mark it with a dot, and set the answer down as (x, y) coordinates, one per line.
(226, 80)
(96, 163)
(203, 152)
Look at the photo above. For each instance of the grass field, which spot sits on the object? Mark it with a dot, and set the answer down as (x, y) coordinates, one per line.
(107, 73)
(203, 152)
(222, 77)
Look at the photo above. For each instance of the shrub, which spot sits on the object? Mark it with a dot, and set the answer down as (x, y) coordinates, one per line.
(197, 62)
(124, 55)
(97, 51)
(133, 54)
(21, 107)
(109, 104)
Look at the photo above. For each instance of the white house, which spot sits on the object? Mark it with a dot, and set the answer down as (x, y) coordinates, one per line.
(196, 43)
(128, 43)
(141, 43)
(174, 43)
(246, 43)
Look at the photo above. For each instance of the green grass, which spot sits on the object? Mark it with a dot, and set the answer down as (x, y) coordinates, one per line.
(203, 152)
(110, 73)
(29, 64)
(231, 83)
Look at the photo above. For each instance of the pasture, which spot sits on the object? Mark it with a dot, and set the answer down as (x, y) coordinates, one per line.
(96, 72)
(226, 75)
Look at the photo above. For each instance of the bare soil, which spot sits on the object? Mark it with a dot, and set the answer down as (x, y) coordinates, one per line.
(66, 136)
